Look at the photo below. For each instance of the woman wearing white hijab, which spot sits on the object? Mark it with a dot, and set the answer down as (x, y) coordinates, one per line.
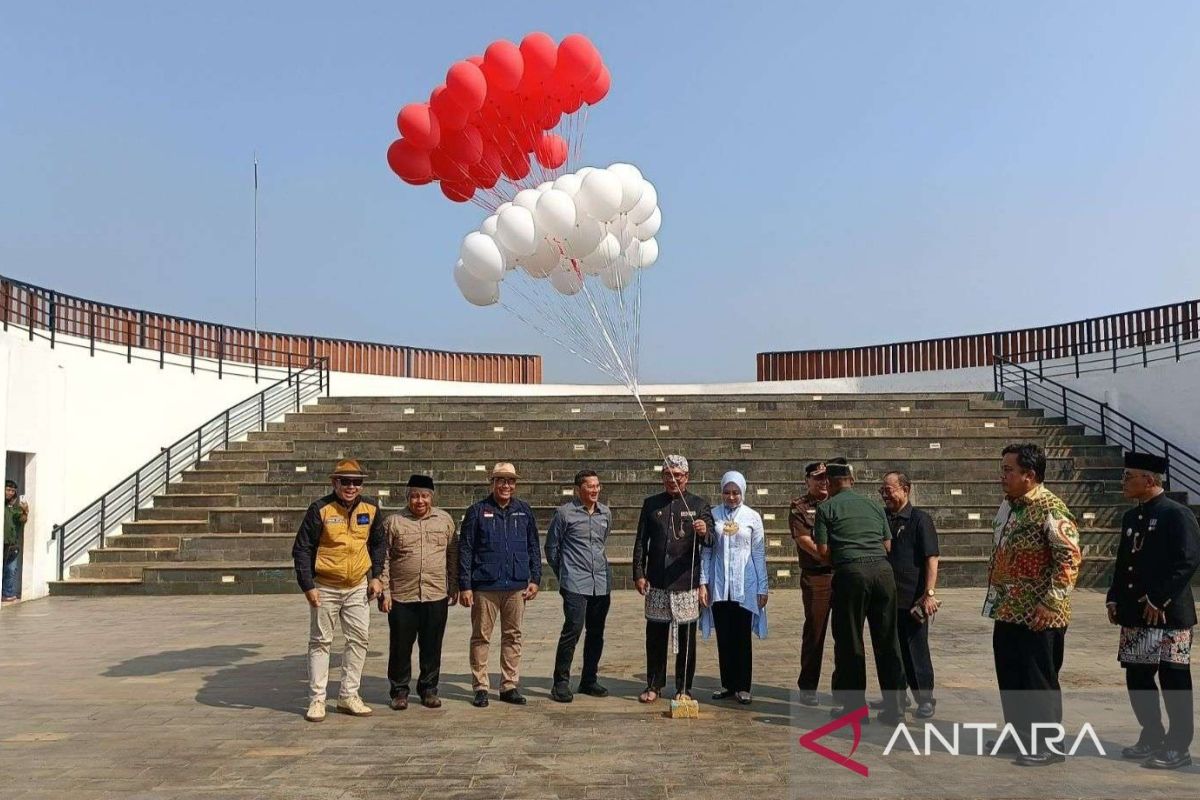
(733, 587)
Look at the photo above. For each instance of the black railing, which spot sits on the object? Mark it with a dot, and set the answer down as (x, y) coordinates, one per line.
(1152, 346)
(90, 527)
(1183, 469)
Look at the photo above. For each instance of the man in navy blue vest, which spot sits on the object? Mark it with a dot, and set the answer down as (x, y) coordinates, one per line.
(499, 569)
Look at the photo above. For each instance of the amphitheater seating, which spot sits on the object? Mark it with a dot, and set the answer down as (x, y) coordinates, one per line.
(227, 526)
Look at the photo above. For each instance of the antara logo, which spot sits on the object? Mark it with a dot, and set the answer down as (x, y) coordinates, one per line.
(853, 719)
(953, 745)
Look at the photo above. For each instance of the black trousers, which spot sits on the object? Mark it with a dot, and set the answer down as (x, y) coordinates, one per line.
(734, 654)
(1176, 696)
(865, 591)
(1027, 665)
(580, 612)
(424, 623)
(658, 635)
(914, 647)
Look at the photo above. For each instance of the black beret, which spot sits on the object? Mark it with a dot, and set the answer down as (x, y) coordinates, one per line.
(1145, 461)
(420, 482)
(838, 468)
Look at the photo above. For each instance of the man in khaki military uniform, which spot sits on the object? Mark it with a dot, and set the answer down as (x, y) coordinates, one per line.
(420, 583)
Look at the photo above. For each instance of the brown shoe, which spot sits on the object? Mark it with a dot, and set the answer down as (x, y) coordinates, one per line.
(431, 700)
(399, 702)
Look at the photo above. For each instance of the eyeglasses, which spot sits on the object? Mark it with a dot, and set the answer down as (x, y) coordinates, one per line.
(505, 481)
(350, 481)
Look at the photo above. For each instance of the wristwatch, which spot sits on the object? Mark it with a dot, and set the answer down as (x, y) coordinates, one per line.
(929, 593)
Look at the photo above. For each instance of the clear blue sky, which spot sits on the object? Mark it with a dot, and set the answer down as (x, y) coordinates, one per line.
(830, 174)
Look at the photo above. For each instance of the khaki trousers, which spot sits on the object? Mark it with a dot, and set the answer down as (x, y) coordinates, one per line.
(510, 608)
(349, 606)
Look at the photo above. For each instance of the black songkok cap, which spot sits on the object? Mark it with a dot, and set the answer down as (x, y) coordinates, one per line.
(1145, 461)
(420, 482)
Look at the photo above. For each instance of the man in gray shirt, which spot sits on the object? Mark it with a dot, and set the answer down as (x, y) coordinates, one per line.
(575, 551)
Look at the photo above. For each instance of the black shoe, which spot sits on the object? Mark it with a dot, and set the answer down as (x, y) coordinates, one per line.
(481, 699)
(890, 717)
(882, 704)
(808, 697)
(399, 702)
(925, 710)
(513, 696)
(841, 711)
(722, 695)
(593, 689)
(1040, 759)
(1169, 759)
(561, 693)
(1141, 751)
(1009, 748)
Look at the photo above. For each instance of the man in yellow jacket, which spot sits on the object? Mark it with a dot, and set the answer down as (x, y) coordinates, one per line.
(339, 554)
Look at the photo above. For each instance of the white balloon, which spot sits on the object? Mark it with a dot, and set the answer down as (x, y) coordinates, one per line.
(544, 185)
(584, 238)
(555, 213)
(489, 225)
(621, 229)
(477, 292)
(645, 206)
(600, 195)
(632, 185)
(516, 230)
(649, 228)
(501, 207)
(643, 254)
(566, 281)
(543, 261)
(481, 257)
(527, 198)
(568, 183)
(606, 253)
(617, 276)
(583, 172)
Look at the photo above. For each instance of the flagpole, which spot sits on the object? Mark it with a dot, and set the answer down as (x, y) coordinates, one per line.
(256, 248)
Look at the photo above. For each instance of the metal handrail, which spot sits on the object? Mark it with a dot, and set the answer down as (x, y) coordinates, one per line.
(1161, 343)
(1183, 468)
(89, 527)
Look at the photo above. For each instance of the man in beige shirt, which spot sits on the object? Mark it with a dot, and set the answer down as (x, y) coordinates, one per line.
(420, 579)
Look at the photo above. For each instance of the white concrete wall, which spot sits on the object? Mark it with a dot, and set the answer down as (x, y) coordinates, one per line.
(90, 421)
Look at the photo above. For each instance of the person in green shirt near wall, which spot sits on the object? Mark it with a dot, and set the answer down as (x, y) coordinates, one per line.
(16, 514)
(852, 531)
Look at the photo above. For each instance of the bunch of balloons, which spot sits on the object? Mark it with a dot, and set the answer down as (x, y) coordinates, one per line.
(496, 111)
(594, 222)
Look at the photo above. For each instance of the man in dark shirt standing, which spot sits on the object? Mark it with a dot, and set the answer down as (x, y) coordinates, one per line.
(853, 533)
(816, 580)
(672, 528)
(1151, 599)
(914, 559)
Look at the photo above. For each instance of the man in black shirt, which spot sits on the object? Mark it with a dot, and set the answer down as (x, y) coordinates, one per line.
(1151, 599)
(672, 528)
(914, 559)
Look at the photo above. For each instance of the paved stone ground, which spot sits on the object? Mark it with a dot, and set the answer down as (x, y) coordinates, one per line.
(197, 697)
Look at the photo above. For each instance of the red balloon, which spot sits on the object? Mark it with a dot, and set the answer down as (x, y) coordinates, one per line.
(445, 167)
(549, 117)
(599, 88)
(451, 116)
(409, 162)
(515, 167)
(464, 146)
(487, 172)
(551, 151)
(540, 54)
(571, 101)
(419, 124)
(458, 191)
(476, 60)
(578, 59)
(466, 85)
(503, 66)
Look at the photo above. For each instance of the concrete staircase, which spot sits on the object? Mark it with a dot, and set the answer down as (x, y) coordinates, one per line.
(227, 526)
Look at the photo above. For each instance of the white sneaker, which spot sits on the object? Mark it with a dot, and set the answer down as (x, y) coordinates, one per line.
(316, 711)
(354, 706)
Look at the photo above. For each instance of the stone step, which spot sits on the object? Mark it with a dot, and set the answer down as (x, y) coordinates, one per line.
(276, 518)
(194, 499)
(278, 578)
